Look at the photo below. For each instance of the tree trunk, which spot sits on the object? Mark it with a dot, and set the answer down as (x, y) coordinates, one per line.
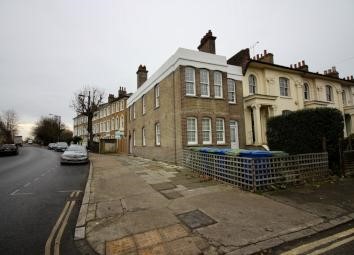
(89, 129)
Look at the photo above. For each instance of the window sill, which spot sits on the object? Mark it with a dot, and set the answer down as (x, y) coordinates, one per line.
(232, 103)
(192, 144)
(205, 96)
(219, 98)
(286, 97)
(220, 143)
(192, 96)
(156, 107)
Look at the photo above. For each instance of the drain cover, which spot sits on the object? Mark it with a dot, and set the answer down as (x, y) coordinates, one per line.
(196, 219)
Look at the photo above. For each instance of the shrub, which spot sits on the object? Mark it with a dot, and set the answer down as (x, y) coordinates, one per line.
(303, 132)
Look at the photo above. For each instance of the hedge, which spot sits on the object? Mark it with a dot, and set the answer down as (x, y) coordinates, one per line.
(303, 131)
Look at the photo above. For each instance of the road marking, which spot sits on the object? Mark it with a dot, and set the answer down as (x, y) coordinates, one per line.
(61, 230)
(27, 184)
(55, 228)
(36, 179)
(13, 193)
(310, 246)
(333, 246)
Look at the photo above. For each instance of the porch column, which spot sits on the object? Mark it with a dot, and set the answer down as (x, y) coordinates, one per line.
(257, 123)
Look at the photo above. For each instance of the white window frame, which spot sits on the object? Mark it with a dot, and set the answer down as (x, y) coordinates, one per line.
(117, 123)
(195, 130)
(207, 130)
(306, 91)
(134, 112)
(218, 85)
(218, 130)
(143, 104)
(112, 124)
(157, 134)
(122, 122)
(204, 83)
(130, 112)
(344, 98)
(134, 138)
(157, 95)
(233, 84)
(284, 87)
(329, 93)
(252, 84)
(143, 136)
(190, 80)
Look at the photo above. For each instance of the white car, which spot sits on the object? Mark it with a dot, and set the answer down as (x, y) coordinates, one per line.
(74, 154)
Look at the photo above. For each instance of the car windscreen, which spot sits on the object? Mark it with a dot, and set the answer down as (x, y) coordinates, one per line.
(76, 148)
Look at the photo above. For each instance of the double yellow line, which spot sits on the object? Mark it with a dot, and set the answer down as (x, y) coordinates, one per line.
(60, 225)
(323, 245)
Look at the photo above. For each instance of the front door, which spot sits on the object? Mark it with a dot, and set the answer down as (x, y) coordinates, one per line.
(234, 135)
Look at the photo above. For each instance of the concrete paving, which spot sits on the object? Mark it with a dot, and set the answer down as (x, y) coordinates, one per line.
(139, 206)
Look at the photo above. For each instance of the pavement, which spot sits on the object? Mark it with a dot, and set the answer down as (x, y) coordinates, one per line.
(133, 205)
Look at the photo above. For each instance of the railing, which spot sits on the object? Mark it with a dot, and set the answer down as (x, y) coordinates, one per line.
(258, 173)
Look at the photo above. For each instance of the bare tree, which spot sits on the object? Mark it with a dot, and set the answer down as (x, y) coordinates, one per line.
(10, 124)
(85, 102)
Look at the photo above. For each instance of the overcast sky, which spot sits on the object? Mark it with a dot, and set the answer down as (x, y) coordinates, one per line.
(51, 48)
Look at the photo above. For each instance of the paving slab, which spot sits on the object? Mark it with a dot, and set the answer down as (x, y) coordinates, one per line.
(139, 206)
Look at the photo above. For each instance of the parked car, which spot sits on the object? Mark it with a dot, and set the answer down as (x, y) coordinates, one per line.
(74, 154)
(61, 146)
(8, 149)
(51, 146)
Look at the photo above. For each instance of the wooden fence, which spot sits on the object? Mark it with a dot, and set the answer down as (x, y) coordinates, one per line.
(258, 173)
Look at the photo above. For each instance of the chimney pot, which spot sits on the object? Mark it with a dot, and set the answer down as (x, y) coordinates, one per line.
(265, 52)
(325, 72)
(303, 62)
(351, 77)
(299, 64)
(295, 66)
(257, 56)
(291, 65)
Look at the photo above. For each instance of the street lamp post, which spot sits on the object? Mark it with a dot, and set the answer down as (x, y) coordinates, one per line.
(58, 119)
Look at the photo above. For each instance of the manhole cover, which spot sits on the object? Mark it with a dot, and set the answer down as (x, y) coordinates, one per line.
(196, 219)
(163, 186)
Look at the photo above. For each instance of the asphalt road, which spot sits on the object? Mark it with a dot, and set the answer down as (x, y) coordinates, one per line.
(34, 189)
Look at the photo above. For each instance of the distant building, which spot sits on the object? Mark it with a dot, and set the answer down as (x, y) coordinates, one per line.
(270, 89)
(80, 128)
(193, 99)
(109, 121)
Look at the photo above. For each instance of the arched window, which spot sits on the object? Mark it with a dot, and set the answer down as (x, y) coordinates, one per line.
(329, 93)
(306, 91)
(252, 84)
(284, 86)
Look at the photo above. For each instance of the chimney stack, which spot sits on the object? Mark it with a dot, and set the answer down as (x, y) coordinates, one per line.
(332, 72)
(141, 75)
(267, 57)
(122, 92)
(351, 77)
(110, 98)
(207, 43)
(301, 65)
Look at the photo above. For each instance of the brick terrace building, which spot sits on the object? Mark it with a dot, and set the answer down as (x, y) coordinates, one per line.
(193, 99)
(109, 120)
